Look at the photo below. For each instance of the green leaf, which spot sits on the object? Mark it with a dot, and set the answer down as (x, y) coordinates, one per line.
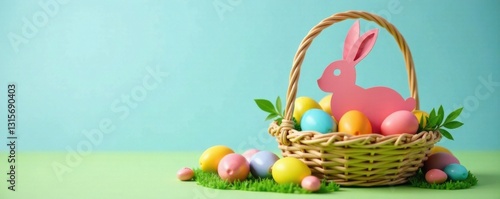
(265, 105)
(421, 124)
(431, 124)
(433, 113)
(435, 121)
(278, 120)
(453, 115)
(296, 125)
(446, 134)
(453, 124)
(278, 106)
(271, 116)
(440, 116)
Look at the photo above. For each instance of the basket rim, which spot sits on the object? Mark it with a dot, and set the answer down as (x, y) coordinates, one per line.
(337, 139)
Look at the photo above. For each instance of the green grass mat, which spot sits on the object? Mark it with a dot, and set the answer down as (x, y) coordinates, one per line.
(212, 180)
(419, 181)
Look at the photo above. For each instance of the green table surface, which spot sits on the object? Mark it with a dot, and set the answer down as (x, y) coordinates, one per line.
(153, 175)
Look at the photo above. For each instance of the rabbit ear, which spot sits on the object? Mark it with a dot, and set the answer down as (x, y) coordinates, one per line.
(362, 46)
(351, 38)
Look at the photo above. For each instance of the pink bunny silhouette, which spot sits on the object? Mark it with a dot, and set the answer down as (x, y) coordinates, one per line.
(339, 78)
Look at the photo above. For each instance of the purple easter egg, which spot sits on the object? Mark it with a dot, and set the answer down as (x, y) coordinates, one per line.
(261, 163)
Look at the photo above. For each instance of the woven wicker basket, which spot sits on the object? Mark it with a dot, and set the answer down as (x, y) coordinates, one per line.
(363, 160)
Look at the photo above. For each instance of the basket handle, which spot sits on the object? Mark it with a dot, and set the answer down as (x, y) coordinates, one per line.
(287, 123)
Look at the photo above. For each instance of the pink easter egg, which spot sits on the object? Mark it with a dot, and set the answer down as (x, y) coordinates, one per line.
(311, 183)
(400, 122)
(249, 153)
(185, 174)
(233, 167)
(435, 176)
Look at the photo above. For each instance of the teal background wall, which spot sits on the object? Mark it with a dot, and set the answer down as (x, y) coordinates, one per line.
(182, 75)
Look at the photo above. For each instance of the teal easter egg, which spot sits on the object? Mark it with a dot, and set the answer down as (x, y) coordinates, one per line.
(456, 172)
(317, 120)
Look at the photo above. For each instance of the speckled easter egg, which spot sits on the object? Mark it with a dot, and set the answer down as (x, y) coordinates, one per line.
(456, 172)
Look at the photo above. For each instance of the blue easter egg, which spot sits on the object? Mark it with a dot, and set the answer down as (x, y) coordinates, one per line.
(456, 171)
(317, 120)
(261, 163)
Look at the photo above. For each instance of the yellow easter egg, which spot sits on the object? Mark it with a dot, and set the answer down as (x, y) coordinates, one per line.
(209, 160)
(437, 149)
(289, 170)
(335, 126)
(422, 117)
(303, 104)
(325, 104)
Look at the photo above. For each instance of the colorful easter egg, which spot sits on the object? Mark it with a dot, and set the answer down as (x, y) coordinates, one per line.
(439, 161)
(311, 183)
(261, 163)
(421, 116)
(211, 157)
(325, 103)
(185, 174)
(317, 120)
(435, 176)
(290, 170)
(399, 122)
(354, 122)
(437, 149)
(303, 104)
(456, 172)
(233, 167)
(249, 153)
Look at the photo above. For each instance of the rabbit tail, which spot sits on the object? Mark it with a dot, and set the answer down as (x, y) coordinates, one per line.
(410, 104)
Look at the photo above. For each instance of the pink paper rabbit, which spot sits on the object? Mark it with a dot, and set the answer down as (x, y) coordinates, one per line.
(339, 78)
